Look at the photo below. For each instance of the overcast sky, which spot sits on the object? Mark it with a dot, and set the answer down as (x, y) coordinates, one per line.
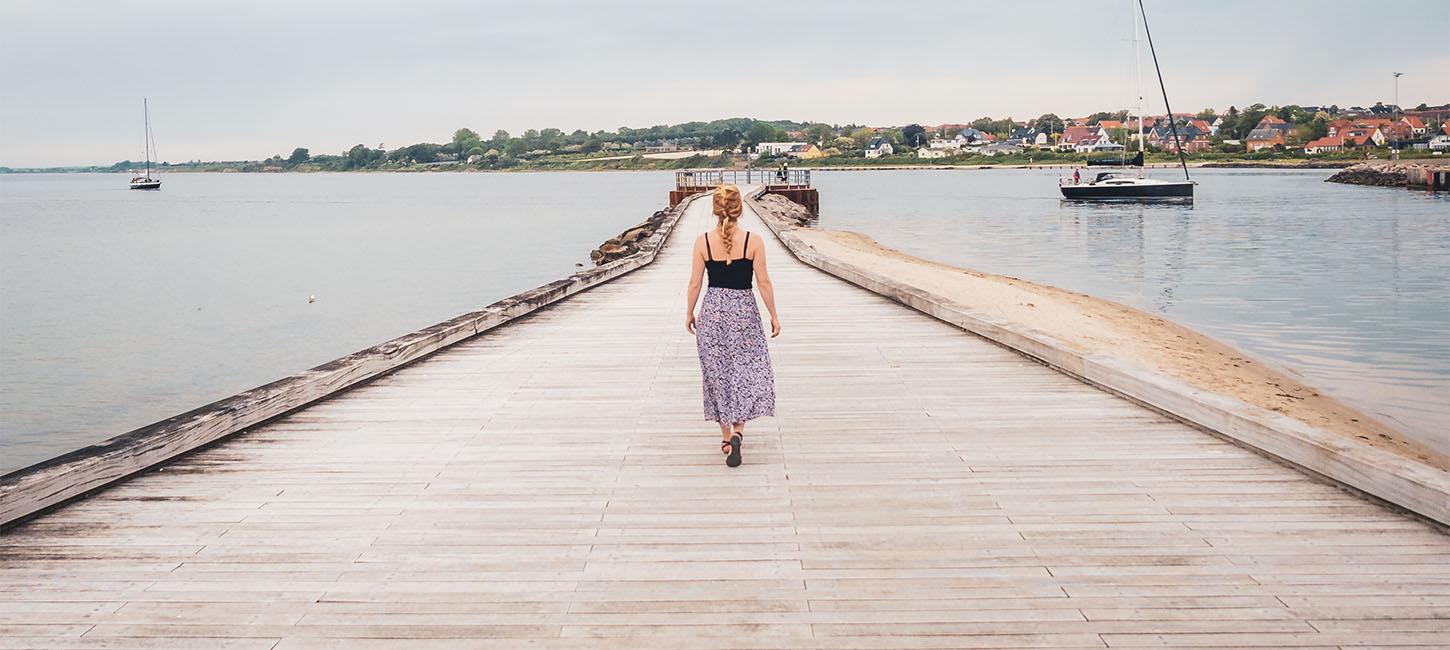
(245, 80)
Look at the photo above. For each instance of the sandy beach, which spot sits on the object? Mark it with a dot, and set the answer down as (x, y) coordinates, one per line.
(1095, 325)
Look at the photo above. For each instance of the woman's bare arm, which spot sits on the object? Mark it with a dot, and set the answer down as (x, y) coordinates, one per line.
(767, 290)
(697, 278)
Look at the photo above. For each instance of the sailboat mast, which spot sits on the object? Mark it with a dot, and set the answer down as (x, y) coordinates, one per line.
(1171, 122)
(146, 119)
(1138, 68)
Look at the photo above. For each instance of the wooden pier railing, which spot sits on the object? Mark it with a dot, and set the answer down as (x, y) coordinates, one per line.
(793, 184)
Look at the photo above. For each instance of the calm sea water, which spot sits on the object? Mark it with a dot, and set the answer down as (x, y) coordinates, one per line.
(121, 308)
(1345, 286)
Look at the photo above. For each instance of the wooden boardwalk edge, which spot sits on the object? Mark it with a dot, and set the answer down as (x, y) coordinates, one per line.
(1398, 480)
(32, 490)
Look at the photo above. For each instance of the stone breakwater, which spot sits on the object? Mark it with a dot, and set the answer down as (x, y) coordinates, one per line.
(1382, 173)
(627, 242)
(783, 209)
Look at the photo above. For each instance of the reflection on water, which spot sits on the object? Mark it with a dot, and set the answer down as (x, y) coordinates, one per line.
(1347, 287)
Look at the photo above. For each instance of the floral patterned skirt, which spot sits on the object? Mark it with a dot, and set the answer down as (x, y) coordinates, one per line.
(739, 384)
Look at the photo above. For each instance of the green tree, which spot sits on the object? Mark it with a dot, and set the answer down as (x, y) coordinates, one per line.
(819, 133)
(465, 139)
(862, 136)
(1107, 115)
(913, 134)
(551, 139)
(1246, 120)
(299, 155)
(1048, 122)
(515, 147)
(727, 139)
(1318, 127)
(359, 156)
(761, 132)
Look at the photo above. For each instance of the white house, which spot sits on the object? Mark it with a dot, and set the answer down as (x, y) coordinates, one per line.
(970, 137)
(1001, 148)
(879, 147)
(1094, 142)
(1440, 143)
(776, 148)
(928, 152)
(948, 145)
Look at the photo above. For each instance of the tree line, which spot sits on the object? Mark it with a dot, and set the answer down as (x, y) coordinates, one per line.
(503, 149)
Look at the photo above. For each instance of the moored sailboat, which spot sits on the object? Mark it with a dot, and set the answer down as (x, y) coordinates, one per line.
(146, 182)
(1125, 187)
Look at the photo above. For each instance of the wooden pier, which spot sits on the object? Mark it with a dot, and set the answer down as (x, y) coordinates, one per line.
(793, 184)
(551, 484)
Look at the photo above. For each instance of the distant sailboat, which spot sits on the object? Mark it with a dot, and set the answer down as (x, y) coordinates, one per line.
(1111, 186)
(146, 182)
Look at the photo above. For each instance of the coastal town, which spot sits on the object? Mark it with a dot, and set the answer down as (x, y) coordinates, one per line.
(1290, 134)
(1378, 131)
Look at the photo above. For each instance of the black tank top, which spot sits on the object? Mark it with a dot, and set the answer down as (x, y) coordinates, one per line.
(735, 275)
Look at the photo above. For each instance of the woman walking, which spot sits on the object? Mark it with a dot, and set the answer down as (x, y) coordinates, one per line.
(739, 384)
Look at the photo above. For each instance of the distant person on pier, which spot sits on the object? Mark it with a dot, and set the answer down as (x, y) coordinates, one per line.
(739, 384)
(784, 172)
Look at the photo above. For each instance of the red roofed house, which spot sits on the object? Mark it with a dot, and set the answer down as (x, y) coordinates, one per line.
(1265, 138)
(1364, 137)
(1110, 124)
(1417, 125)
(1078, 135)
(1324, 145)
(1361, 133)
(1398, 131)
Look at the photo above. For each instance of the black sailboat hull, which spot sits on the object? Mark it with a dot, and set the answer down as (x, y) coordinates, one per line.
(146, 185)
(1088, 192)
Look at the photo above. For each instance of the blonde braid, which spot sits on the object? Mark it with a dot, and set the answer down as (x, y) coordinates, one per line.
(726, 204)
